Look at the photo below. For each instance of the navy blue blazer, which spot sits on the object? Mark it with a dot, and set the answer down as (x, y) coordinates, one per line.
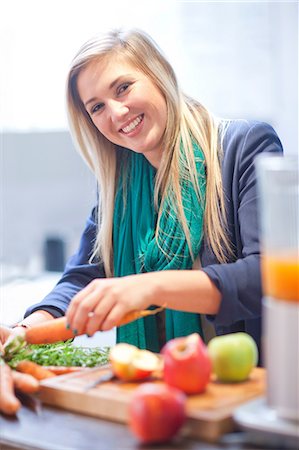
(239, 280)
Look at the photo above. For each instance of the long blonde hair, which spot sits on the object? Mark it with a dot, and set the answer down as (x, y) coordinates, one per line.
(187, 120)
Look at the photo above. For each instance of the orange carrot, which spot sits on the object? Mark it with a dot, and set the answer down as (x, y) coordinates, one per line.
(61, 370)
(134, 315)
(31, 368)
(55, 330)
(48, 332)
(9, 404)
(24, 382)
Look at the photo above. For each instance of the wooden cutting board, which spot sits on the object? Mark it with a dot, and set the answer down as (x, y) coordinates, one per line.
(209, 415)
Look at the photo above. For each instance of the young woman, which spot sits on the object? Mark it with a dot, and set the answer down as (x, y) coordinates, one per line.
(176, 217)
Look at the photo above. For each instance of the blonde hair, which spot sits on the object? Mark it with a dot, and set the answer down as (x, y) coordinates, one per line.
(187, 121)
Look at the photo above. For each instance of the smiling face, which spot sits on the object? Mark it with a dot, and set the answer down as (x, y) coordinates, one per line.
(125, 106)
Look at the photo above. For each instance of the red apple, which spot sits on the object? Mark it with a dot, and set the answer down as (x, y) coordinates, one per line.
(156, 412)
(187, 365)
(129, 363)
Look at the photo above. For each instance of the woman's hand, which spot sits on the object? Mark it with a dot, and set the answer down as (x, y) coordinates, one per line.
(104, 301)
(4, 334)
(7, 334)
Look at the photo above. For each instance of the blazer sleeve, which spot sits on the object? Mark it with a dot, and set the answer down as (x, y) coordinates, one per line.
(239, 281)
(77, 274)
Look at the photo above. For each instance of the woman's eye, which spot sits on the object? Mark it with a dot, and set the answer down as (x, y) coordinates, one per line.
(96, 108)
(122, 88)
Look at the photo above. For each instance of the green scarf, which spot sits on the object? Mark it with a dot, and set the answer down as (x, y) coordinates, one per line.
(136, 249)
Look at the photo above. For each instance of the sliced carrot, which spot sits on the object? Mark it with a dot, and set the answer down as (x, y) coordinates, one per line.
(31, 368)
(9, 404)
(48, 332)
(24, 382)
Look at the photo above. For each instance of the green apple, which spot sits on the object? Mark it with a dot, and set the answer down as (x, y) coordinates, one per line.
(233, 356)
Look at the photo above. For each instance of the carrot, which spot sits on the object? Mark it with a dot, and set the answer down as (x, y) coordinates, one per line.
(48, 332)
(55, 330)
(9, 404)
(61, 370)
(31, 368)
(134, 315)
(24, 382)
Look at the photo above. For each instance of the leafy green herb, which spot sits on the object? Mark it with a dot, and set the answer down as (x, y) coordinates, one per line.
(17, 344)
(61, 354)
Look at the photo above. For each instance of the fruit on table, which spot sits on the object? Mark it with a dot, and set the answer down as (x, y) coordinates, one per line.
(187, 365)
(233, 356)
(156, 412)
(131, 364)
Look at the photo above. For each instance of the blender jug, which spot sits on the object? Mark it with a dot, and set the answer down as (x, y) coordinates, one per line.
(278, 188)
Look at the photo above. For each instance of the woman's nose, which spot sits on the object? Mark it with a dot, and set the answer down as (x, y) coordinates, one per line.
(117, 110)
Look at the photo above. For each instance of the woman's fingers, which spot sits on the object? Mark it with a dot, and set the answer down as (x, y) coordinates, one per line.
(4, 333)
(89, 308)
(84, 312)
(71, 311)
(8, 334)
(106, 315)
(102, 304)
(114, 317)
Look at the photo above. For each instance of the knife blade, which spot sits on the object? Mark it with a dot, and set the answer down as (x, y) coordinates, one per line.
(103, 378)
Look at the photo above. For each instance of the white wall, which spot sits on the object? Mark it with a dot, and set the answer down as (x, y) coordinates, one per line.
(238, 58)
(47, 191)
(241, 60)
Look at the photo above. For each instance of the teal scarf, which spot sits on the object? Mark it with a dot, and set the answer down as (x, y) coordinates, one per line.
(136, 249)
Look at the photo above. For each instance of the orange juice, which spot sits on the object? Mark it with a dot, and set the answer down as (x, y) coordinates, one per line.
(280, 275)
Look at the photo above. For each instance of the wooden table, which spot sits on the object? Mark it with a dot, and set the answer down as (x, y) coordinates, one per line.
(57, 429)
(70, 418)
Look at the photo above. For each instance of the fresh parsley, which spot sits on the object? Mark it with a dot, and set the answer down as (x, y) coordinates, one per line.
(61, 354)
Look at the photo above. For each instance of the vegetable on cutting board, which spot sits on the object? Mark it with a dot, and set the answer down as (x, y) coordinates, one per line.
(62, 370)
(31, 368)
(25, 382)
(64, 356)
(37, 362)
(9, 404)
(56, 330)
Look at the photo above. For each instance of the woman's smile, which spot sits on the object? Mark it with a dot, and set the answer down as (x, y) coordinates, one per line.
(133, 126)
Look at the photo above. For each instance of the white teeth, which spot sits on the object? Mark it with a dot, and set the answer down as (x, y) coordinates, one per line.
(132, 125)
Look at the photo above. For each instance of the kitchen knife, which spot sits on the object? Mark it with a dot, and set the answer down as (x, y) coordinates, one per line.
(103, 378)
